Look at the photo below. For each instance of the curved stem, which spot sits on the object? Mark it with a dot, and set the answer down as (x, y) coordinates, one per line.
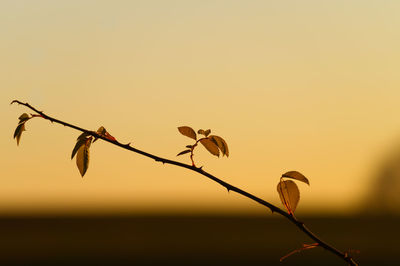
(229, 187)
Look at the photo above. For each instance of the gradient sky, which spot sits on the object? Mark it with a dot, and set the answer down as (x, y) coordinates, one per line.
(312, 86)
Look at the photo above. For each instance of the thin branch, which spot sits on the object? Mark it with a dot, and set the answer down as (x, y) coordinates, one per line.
(229, 187)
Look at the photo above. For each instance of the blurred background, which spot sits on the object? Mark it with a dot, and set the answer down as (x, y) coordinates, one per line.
(311, 86)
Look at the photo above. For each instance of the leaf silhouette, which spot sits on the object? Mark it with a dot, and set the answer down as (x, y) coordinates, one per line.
(78, 144)
(221, 143)
(82, 157)
(201, 131)
(289, 194)
(296, 175)
(23, 118)
(188, 132)
(84, 135)
(18, 131)
(101, 131)
(183, 152)
(210, 146)
(207, 132)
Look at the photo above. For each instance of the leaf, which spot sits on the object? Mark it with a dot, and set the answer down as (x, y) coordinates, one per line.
(201, 131)
(296, 175)
(210, 146)
(18, 132)
(289, 194)
(23, 118)
(84, 135)
(189, 146)
(207, 132)
(82, 157)
(101, 131)
(188, 132)
(222, 145)
(183, 152)
(78, 144)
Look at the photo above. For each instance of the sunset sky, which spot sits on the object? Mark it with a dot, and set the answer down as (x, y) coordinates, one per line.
(312, 86)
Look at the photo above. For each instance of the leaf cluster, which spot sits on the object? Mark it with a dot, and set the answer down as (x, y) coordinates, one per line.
(213, 144)
(21, 126)
(81, 149)
(289, 192)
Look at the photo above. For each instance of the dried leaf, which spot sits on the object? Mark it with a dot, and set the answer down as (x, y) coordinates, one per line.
(82, 157)
(188, 132)
(221, 144)
(78, 144)
(201, 131)
(296, 175)
(207, 132)
(18, 132)
(210, 146)
(289, 194)
(183, 152)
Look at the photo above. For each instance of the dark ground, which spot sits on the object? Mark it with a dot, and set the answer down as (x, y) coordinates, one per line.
(191, 240)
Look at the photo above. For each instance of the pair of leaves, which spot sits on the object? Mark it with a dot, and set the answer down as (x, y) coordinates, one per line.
(289, 192)
(81, 150)
(21, 126)
(214, 144)
(204, 132)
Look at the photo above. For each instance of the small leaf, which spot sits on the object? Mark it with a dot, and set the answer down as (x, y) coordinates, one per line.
(82, 157)
(201, 131)
(183, 152)
(188, 132)
(296, 175)
(78, 144)
(221, 143)
(101, 131)
(189, 146)
(18, 132)
(23, 118)
(210, 146)
(207, 132)
(84, 135)
(289, 194)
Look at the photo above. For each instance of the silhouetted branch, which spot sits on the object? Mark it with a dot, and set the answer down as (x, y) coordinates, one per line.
(229, 187)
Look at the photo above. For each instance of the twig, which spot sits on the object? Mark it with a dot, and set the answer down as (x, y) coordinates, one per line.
(229, 187)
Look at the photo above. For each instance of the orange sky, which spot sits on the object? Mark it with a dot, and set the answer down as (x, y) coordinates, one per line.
(311, 86)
